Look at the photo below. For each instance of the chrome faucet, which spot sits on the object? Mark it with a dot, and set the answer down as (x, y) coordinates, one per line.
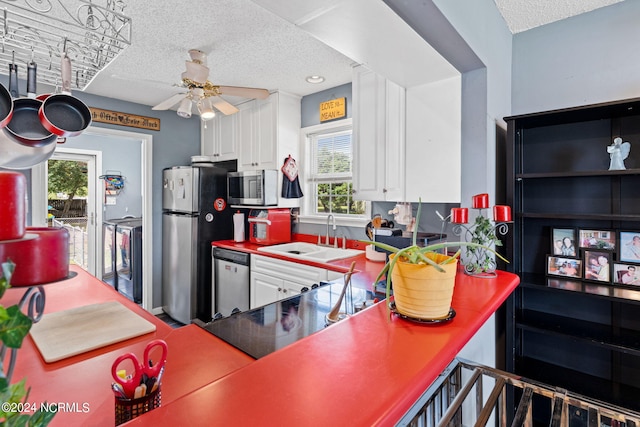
(331, 218)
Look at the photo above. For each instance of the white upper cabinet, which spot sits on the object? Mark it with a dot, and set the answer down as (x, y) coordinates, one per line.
(378, 137)
(268, 131)
(258, 145)
(218, 138)
(434, 142)
(407, 142)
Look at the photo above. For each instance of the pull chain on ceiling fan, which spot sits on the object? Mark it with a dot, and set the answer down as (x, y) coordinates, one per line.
(205, 94)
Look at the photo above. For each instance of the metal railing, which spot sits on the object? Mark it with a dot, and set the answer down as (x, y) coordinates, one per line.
(456, 398)
(78, 239)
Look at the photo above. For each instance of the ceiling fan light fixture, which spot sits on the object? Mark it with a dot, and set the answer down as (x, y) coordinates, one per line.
(184, 110)
(314, 79)
(206, 109)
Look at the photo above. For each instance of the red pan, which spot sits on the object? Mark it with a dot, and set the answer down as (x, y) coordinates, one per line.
(25, 127)
(42, 256)
(6, 106)
(63, 114)
(13, 188)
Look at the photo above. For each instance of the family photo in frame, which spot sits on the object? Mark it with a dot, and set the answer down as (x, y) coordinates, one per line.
(629, 246)
(626, 274)
(598, 239)
(565, 267)
(563, 240)
(597, 255)
(597, 265)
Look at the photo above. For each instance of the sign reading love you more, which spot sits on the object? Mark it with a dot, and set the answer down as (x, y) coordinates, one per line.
(123, 119)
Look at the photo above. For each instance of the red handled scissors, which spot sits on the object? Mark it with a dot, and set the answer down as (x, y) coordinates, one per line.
(146, 368)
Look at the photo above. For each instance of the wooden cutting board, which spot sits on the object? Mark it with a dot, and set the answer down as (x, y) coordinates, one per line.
(69, 332)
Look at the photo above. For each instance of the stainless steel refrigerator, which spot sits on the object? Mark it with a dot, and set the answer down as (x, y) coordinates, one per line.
(194, 213)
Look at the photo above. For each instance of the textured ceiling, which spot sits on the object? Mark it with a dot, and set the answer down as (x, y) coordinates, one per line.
(248, 45)
(522, 15)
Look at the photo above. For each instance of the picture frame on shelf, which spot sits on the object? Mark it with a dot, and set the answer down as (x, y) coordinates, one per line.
(603, 239)
(563, 242)
(597, 265)
(564, 266)
(626, 274)
(629, 248)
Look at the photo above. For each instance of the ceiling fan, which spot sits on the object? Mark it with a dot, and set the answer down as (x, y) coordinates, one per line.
(204, 94)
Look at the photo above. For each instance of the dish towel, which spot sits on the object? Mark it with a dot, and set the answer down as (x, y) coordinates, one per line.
(290, 184)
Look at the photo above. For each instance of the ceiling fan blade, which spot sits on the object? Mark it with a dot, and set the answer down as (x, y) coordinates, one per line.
(225, 107)
(168, 103)
(245, 92)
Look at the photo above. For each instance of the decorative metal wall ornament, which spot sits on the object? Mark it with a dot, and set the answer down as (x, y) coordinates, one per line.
(39, 31)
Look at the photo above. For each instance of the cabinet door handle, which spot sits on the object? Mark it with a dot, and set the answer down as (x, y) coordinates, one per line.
(279, 289)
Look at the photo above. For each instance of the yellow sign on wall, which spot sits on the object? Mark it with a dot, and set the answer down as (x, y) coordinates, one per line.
(124, 119)
(334, 109)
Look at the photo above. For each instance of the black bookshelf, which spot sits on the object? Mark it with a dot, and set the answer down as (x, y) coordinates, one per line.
(577, 334)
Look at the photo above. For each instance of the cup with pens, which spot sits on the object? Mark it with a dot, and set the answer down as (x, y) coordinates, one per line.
(138, 391)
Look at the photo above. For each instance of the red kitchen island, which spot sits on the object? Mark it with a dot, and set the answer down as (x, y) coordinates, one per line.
(365, 370)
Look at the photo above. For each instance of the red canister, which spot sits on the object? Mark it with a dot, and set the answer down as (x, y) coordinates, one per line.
(12, 187)
(40, 259)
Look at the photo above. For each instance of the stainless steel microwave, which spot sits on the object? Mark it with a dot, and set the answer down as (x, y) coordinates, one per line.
(253, 188)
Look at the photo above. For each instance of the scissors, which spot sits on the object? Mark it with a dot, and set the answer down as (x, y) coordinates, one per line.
(141, 371)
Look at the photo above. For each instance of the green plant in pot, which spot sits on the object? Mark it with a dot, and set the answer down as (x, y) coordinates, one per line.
(479, 259)
(14, 327)
(423, 278)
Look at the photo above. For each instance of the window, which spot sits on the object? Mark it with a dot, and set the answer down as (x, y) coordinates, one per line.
(330, 173)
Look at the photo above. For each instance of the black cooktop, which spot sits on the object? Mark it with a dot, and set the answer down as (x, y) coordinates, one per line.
(266, 329)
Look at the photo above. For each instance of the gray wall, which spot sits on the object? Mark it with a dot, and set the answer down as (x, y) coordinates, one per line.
(175, 143)
(309, 104)
(585, 59)
(122, 157)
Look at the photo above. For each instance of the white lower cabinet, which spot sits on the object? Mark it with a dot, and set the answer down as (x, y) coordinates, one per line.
(275, 279)
(264, 289)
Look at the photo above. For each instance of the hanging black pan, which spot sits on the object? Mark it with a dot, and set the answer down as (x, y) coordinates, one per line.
(63, 114)
(25, 127)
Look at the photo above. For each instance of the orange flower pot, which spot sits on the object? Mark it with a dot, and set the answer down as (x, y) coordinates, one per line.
(421, 291)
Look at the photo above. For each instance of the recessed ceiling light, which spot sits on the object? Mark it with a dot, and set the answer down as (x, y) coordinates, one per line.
(315, 79)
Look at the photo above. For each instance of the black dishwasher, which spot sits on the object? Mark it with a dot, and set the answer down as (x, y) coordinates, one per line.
(230, 282)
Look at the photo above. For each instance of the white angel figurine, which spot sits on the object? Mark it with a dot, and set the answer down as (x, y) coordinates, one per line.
(618, 151)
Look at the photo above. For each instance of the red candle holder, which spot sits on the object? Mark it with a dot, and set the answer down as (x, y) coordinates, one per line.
(502, 213)
(459, 215)
(480, 201)
(479, 261)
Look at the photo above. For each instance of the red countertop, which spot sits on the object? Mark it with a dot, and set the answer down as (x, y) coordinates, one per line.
(366, 370)
(366, 271)
(195, 357)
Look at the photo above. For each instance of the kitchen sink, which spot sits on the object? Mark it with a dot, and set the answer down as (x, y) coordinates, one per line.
(310, 251)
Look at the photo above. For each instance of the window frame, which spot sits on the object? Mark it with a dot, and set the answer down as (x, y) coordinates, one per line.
(307, 211)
